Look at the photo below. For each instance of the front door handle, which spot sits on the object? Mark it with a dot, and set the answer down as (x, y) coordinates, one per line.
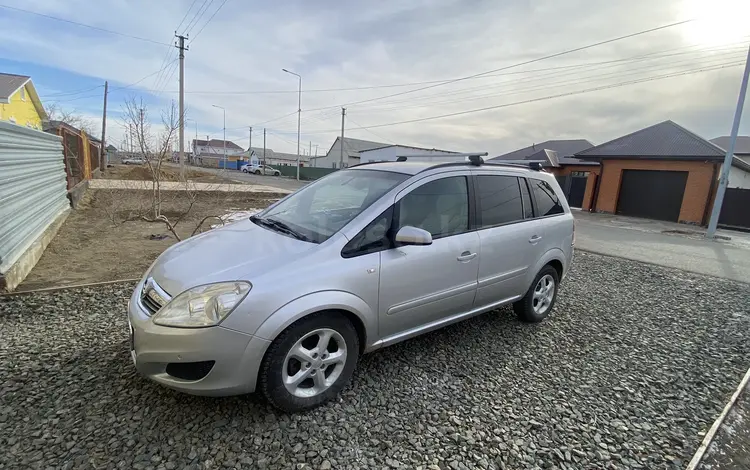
(466, 256)
(534, 239)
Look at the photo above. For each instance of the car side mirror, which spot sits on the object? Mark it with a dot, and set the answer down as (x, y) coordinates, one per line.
(409, 235)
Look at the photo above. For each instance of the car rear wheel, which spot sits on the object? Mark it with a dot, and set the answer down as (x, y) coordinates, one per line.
(277, 174)
(257, 172)
(310, 362)
(540, 298)
(245, 170)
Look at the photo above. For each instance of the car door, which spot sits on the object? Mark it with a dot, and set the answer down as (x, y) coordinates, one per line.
(420, 286)
(509, 236)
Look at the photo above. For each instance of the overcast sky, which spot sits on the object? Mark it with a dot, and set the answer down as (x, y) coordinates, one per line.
(688, 73)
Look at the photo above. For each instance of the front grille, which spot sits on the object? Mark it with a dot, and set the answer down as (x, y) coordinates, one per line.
(151, 306)
(153, 297)
(190, 370)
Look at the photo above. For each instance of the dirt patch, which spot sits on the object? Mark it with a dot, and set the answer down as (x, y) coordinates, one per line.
(168, 173)
(91, 248)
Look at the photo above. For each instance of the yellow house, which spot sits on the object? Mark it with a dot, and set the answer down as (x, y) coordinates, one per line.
(19, 102)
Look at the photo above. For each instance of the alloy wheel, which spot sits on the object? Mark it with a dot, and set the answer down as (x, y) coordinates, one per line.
(544, 292)
(314, 363)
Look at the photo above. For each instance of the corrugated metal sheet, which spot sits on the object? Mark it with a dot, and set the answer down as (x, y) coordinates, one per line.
(32, 188)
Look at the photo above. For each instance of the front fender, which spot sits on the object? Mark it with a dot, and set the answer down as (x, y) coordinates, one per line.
(300, 307)
(553, 254)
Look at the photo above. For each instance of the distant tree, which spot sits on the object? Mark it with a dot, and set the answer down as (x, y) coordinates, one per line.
(70, 117)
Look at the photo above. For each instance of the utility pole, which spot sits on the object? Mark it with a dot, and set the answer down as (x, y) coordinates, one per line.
(103, 150)
(315, 160)
(724, 179)
(264, 145)
(341, 143)
(182, 48)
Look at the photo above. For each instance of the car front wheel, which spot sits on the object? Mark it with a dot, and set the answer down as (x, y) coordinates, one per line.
(277, 174)
(310, 362)
(245, 170)
(540, 298)
(257, 172)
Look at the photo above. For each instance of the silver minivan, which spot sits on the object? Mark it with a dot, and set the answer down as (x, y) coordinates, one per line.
(286, 301)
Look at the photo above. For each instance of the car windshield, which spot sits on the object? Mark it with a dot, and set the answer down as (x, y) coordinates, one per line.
(324, 207)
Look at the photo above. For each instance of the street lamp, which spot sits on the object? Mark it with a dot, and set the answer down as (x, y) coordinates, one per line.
(225, 133)
(299, 113)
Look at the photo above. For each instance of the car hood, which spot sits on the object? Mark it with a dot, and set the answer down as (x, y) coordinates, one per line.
(240, 251)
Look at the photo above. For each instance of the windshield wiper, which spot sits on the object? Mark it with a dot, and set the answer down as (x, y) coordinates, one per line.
(279, 226)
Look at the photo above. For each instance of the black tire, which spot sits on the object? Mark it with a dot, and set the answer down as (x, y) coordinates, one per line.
(245, 170)
(524, 308)
(277, 174)
(257, 172)
(270, 381)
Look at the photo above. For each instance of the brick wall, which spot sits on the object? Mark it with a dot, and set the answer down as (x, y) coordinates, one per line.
(697, 189)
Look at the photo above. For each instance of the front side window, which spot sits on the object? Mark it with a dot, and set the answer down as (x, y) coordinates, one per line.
(499, 200)
(547, 202)
(373, 238)
(324, 207)
(441, 207)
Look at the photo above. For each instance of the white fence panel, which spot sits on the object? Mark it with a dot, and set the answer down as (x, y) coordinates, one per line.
(33, 189)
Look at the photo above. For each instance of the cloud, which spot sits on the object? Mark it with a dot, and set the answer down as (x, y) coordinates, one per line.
(351, 44)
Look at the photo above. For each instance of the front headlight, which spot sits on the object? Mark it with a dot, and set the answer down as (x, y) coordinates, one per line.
(202, 306)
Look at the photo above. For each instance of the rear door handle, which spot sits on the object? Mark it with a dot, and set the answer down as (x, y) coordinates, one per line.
(466, 256)
(534, 239)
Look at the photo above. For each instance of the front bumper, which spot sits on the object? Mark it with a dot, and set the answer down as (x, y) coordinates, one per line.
(237, 356)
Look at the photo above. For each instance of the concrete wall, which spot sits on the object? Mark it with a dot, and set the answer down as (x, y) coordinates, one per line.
(697, 189)
(738, 178)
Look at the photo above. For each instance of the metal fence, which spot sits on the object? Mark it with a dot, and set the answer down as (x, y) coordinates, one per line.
(81, 155)
(735, 211)
(32, 188)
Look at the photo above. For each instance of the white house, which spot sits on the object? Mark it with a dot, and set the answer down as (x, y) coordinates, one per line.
(357, 151)
(215, 147)
(352, 147)
(390, 153)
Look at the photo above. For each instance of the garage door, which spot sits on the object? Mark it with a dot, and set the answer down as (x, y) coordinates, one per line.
(652, 194)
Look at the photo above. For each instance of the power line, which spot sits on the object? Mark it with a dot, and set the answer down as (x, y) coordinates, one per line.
(519, 64)
(198, 15)
(526, 89)
(68, 93)
(206, 23)
(84, 25)
(186, 15)
(388, 141)
(544, 98)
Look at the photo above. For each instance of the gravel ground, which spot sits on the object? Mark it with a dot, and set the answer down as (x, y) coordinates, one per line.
(629, 372)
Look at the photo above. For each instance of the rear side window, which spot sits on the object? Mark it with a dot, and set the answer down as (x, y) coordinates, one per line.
(547, 202)
(499, 200)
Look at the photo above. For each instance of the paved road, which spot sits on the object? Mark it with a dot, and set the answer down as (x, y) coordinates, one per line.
(274, 181)
(605, 235)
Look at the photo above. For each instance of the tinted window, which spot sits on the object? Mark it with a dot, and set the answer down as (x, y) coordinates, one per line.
(499, 200)
(547, 202)
(441, 207)
(528, 210)
(372, 238)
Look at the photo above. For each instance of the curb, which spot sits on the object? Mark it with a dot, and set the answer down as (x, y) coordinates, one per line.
(73, 286)
(693, 465)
